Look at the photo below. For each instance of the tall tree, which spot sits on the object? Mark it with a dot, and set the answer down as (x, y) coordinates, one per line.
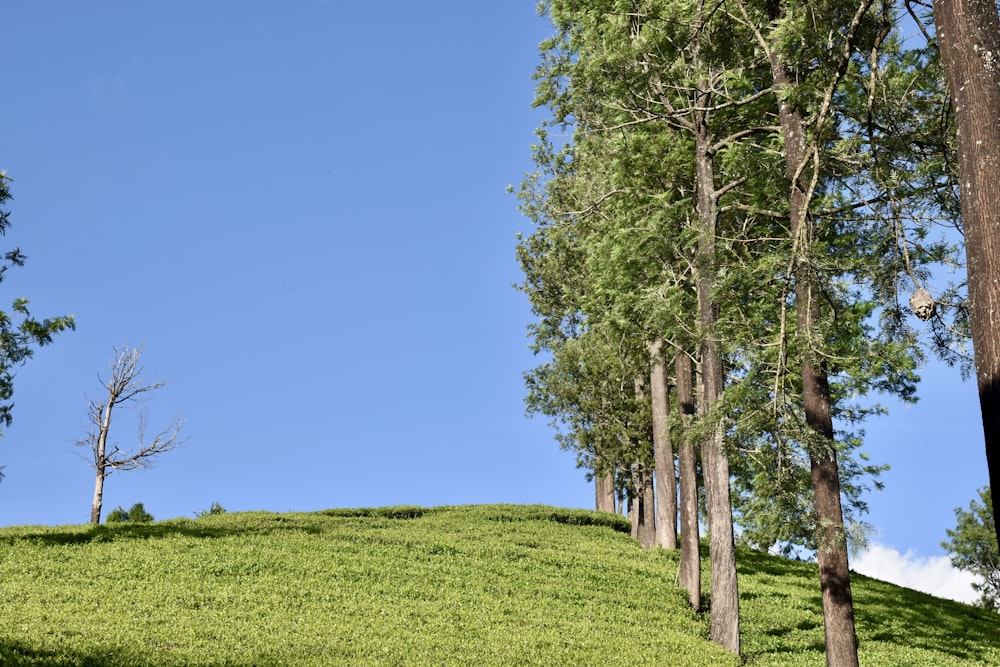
(798, 149)
(20, 332)
(968, 34)
(124, 386)
(842, 41)
(835, 582)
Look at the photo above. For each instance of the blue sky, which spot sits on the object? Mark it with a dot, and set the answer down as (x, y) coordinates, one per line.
(299, 208)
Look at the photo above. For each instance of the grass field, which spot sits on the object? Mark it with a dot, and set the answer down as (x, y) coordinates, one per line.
(477, 585)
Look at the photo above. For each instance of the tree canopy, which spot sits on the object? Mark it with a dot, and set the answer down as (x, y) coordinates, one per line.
(757, 186)
(973, 547)
(20, 331)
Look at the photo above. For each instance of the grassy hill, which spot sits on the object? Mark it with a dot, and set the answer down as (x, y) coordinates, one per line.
(480, 585)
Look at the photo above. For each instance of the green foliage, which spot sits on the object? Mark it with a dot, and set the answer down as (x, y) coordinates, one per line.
(138, 514)
(637, 86)
(973, 547)
(117, 515)
(483, 585)
(20, 332)
(135, 514)
(214, 508)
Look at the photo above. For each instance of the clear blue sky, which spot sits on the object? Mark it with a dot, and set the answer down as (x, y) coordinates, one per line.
(299, 207)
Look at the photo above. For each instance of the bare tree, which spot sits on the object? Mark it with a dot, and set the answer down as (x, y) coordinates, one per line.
(126, 387)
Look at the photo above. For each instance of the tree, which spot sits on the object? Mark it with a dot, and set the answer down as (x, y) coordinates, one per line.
(717, 194)
(621, 74)
(19, 331)
(135, 514)
(125, 387)
(968, 35)
(838, 605)
(827, 60)
(117, 515)
(973, 545)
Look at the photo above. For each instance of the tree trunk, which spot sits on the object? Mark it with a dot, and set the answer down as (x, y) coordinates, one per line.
(690, 569)
(831, 554)
(641, 506)
(632, 501)
(968, 34)
(725, 602)
(663, 451)
(647, 511)
(100, 459)
(98, 502)
(604, 486)
(831, 540)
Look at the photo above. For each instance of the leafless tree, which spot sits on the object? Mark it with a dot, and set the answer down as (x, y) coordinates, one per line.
(125, 387)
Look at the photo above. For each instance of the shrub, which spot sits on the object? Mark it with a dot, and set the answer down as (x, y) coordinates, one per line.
(214, 508)
(117, 515)
(138, 514)
(135, 514)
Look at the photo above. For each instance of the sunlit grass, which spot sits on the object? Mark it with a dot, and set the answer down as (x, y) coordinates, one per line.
(484, 585)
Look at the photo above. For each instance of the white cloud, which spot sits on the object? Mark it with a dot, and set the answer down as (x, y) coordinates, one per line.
(930, 574)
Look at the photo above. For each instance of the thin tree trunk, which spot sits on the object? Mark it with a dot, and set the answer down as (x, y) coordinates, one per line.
(968, 34)
(98, 502)
(690, 568)
(663, 451)
(831, 554)
(99, 462)
(633, 508)
(725, 602)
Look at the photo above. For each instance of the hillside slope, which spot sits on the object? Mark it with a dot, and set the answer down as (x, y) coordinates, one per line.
(480, 585)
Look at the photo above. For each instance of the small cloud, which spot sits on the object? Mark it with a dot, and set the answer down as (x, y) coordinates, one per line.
(929, 574)
(108, 91)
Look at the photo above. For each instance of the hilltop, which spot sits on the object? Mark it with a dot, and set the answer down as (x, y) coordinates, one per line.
(477, 585)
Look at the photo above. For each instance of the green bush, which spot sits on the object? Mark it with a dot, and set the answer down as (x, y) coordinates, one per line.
(214, 508)
(138, 514)
(117, 515)
(135, 514)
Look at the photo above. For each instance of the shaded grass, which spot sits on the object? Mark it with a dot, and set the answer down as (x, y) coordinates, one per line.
(782, 618)
(483, 585)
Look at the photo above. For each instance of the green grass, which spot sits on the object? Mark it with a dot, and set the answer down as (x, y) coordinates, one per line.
(482, 585)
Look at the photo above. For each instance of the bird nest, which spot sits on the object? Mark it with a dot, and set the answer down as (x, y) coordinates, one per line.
(922, 304)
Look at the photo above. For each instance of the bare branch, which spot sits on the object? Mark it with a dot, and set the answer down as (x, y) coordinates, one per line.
(164, 441)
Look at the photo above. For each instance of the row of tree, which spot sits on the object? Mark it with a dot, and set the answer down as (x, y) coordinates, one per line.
(736, 218)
